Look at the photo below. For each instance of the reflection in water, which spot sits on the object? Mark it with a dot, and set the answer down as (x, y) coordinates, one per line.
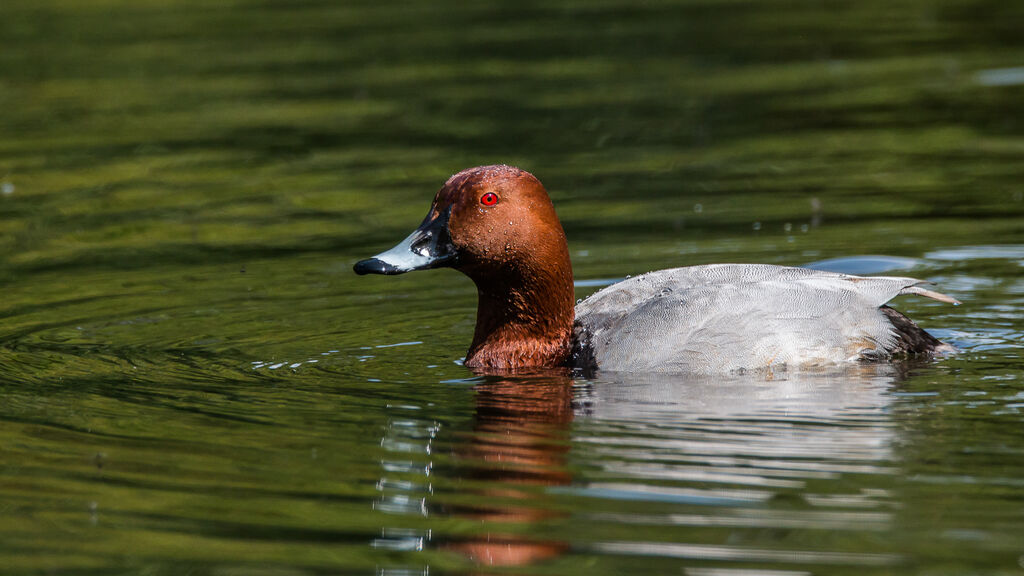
(834, 415)
(740, 464)
(519, 441)
(405, 481)
(736, 467)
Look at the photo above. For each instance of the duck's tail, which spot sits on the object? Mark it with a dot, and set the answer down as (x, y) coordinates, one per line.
(911, 338)
(917, 289)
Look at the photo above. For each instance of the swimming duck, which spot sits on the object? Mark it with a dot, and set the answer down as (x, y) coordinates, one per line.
(497, 225)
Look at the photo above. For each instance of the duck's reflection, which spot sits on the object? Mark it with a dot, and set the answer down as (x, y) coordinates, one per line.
(519, 443)
(753, 430)
(715, 450)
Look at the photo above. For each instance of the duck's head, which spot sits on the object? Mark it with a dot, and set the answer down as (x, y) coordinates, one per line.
(485, 221)
(497, 225)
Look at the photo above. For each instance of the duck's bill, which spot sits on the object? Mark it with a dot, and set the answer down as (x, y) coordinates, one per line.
(429, 246)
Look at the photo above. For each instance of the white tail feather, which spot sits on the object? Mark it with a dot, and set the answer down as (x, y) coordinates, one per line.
(930, 294)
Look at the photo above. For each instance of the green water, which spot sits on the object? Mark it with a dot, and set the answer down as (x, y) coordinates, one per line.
(193, 381)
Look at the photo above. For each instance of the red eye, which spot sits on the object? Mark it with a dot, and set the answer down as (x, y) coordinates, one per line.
(489, 199)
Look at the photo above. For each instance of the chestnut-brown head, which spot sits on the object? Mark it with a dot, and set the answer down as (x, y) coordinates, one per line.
(496, 224)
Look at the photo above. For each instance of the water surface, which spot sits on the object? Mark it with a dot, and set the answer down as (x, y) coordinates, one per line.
(193, 381)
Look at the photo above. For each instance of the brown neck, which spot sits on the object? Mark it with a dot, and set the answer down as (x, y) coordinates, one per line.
(524, 319)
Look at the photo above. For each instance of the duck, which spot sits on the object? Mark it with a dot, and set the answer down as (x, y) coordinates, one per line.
(498, 226)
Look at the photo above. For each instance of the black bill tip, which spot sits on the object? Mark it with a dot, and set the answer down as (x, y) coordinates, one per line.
(376, 266)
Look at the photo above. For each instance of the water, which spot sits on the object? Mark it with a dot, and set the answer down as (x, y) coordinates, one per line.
(193, 380)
